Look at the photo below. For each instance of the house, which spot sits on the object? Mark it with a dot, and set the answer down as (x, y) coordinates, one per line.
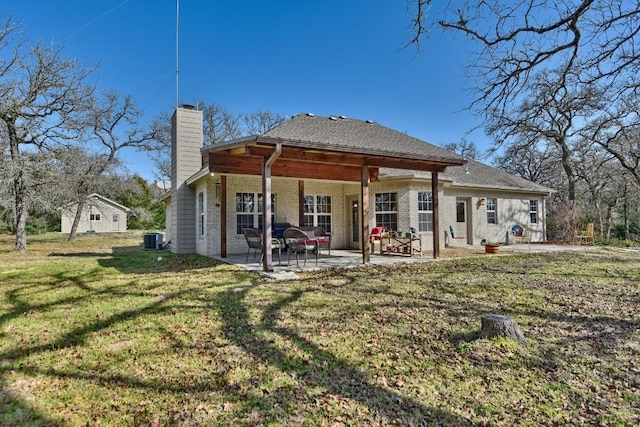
(99, 215)
(342, 174)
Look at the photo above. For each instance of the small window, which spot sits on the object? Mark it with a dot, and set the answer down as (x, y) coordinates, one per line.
(317, 212)
(492, 207)
(460, 212)
(94, 217)
(249, 210)
(201, 212)
(533, 211)
(425, 211)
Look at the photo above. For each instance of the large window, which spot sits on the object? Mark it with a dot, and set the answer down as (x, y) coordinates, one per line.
(201, 214)
(425, 211)
(387, 210)
(249, 210)
(492, 209)
(533, 211)
(317, 212)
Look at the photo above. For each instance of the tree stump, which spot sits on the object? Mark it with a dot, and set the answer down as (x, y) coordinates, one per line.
(495, 325)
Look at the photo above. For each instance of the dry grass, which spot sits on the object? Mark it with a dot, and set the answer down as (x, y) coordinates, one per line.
(102, 333)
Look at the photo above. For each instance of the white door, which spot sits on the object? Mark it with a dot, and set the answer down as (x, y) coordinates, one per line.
(461, 227)
(115, 222)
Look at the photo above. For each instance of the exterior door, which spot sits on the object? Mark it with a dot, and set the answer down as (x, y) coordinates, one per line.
(115, 222)
(354, 222)
(462, 221)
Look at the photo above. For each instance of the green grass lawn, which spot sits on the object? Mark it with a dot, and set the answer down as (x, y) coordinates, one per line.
(100, 332)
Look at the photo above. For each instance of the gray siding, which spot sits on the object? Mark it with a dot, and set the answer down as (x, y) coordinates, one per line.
(186, 160)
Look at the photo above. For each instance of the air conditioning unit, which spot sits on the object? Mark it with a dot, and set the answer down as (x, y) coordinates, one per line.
(152, 241)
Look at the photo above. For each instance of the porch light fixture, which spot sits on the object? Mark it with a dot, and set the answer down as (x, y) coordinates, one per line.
(218, 191)
(481, 202)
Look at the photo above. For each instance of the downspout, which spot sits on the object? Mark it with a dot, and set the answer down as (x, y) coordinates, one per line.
(266, 208)
(271, 160)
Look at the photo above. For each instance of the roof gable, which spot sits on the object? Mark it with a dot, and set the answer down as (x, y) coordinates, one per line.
(108, 201)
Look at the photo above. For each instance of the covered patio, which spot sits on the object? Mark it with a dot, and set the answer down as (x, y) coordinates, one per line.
(306, 149)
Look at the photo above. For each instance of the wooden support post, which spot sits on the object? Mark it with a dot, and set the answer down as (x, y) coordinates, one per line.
(223, 216)
(436, 215)
(301, 203)
(364, 215)
(267, 262)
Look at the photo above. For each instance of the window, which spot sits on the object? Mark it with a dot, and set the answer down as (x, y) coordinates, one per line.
(460, 212)
(201, 214)
(492, 205)
(317, 212)
(94, 217)
(115, 217)
(533, 211)
(425, 212)
(249, 210)
(387, 210)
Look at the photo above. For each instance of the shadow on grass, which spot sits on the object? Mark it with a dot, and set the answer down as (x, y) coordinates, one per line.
(138, 261)
(14, 411)
(321, 368)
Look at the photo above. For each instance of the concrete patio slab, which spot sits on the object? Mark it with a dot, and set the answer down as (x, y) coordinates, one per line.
(353, 258)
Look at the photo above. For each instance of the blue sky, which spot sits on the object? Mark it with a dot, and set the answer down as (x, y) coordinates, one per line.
(329, 57)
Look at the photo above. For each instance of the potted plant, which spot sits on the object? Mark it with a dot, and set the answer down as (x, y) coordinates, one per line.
(492, 247)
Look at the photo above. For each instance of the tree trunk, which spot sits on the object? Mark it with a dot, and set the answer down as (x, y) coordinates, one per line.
(21, 211)
(19, 189)
(73, 234)
(495, 325)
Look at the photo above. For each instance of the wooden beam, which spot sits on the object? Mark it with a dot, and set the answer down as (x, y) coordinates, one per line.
(364, 215)
(352, 159)
(223, 216)
(225, 163)
(312, 156)
(436, 214)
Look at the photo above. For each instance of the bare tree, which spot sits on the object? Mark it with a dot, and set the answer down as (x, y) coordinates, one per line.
(617, 130)
(553, 115)
(539, 163)
(41, 93)
(516, 40)
(112, 125)
(262, 122)
(464, 148)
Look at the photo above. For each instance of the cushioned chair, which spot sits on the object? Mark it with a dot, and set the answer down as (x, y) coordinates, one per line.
(254, 241)
(298, 242)
(375, 236)
(318, 233)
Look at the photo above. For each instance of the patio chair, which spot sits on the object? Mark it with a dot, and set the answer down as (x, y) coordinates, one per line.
(375, 236)
(519, 234)
(254, 241)
(298, 242)
(586, 236)
(318, 233)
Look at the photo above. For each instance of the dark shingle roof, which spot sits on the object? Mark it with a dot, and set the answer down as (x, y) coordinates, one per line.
(478, 175)
(358, 135)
